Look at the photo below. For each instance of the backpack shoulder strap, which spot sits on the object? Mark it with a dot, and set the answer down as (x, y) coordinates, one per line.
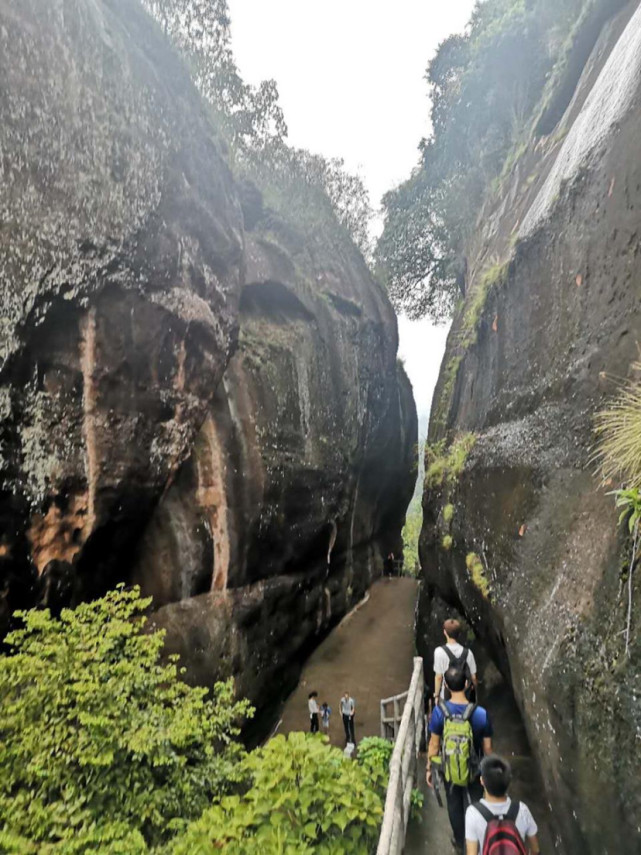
(449, 654)
(444, 709)
(485, 812)
(469, 712)
(513, 811)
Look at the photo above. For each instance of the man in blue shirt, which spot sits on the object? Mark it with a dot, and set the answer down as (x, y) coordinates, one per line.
(458, 798)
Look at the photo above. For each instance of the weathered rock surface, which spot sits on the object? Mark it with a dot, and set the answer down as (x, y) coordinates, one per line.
(554, 332)
(299, 479)
(250, 480)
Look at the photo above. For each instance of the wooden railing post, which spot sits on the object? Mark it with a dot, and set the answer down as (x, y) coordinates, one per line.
(402, 775)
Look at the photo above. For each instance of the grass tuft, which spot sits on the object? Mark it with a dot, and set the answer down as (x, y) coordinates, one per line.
(618, 429)
(447, 542)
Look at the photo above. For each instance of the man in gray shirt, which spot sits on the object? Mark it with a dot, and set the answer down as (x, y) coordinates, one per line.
(348, 708)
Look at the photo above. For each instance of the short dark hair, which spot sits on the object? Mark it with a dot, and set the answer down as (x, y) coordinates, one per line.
(453, 628)
(313, 695)
(496, 774)
(455, 679)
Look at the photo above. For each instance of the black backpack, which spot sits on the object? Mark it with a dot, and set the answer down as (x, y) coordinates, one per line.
(457, 662)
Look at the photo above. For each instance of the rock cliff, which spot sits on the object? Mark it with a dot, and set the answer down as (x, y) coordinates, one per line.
(193, 396)
(536, 561)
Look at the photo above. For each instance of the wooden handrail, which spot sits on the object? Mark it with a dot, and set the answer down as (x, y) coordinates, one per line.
(402, 775)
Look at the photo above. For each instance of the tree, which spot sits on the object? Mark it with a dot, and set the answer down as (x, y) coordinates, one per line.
(102, 746)
(252, 121)
(485, 86)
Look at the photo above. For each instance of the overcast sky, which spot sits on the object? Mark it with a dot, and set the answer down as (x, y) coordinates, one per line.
(351, 77)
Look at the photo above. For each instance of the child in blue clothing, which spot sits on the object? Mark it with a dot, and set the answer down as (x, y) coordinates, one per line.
(325, 712)
(459, 797)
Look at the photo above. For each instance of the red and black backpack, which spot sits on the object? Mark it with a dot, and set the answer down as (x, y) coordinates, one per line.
(501, 835)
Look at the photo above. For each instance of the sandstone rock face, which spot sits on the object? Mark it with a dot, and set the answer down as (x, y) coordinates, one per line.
(560, 323)
(299, 479)
(250, 480)
(121, 248)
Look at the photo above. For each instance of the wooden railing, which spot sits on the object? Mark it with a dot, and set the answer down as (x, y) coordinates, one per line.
(402, 777)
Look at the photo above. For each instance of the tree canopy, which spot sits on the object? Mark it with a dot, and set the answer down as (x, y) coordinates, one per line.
(253, 124)
(484, 87)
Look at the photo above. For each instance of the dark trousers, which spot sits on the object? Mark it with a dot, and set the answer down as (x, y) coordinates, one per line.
(458, 800)
(348, 724)
(313, 722)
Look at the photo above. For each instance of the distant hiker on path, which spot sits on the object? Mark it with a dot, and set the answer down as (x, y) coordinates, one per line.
(348, 709)
(453, 654)
(460, 734)
(312, 704)
(496, 817)
(325, 713)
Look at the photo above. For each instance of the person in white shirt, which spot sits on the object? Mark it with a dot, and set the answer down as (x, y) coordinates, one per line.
(348, 709)
(495, 778)
(312, 705)
(453, 654)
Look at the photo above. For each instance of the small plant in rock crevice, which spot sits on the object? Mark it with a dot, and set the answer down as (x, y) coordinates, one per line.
(445, 465)
(447, 542)
(448, 513)
(618, 457)
(477, 574)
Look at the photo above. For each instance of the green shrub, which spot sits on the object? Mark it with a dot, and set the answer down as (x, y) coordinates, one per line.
(446, 465)
(374, 754)
(448, 513)
(102, 746)
(447, 542)
(305, 797)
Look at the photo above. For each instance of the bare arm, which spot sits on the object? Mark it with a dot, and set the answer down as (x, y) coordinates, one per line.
(438, 682)
(533, 843)
(433, 750)
(471, 847)
(487, 745)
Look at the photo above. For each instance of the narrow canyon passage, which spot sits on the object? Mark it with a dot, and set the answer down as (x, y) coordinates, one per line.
(432, 833)
(369, 653)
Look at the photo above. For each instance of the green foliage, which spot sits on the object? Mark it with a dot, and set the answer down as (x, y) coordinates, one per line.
(305, 797)
(618, 429)
(445, 465)
(442, 405)
(477, 574)
(102, 746)
(485, 86)
(448, 514)
(447, 542)
(307, 190)
(493, 277)
(411, 534)
(375, 754)
(629, 503)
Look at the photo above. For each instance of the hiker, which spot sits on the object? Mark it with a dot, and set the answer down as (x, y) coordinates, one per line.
(312, 705)
(325, 713)
(453, 654)
(389, 565)
(496, 823)
(460, 733)
(348, 709)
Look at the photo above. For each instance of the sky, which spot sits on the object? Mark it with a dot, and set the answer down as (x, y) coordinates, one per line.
(351, 78)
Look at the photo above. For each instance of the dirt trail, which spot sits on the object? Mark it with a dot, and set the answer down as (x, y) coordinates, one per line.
(369, 653)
